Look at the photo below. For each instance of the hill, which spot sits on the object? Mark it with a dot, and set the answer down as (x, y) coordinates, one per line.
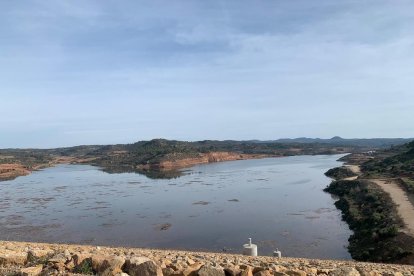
(379, 219)
(157, 156)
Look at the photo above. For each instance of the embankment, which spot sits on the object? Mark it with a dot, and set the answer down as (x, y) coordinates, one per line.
(379, 234)
(201, 158)
(11, 171)
(379, 213)
(20, 258)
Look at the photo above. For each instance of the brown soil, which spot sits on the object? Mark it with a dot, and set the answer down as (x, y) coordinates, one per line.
(399, 196)
(405, 208)
(355, 169)
(11, 171)
(203, 158)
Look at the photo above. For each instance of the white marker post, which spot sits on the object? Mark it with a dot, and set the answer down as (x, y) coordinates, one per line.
(250, 249)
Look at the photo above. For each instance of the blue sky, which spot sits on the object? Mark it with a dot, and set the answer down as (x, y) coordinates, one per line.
(98, 72)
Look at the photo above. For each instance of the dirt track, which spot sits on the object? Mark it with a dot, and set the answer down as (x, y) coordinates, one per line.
(399, 196)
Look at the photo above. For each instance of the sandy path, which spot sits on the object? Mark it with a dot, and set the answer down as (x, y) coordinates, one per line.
(404, 207)
(355, 169)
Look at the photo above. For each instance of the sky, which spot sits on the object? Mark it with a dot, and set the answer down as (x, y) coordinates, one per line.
(103, 72)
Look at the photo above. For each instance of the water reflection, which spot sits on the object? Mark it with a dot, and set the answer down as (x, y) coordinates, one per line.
(278, 202)
(151, 174)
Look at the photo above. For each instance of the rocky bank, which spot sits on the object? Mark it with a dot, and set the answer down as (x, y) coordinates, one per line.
(174, 162)
(31, 259)
(11, 171)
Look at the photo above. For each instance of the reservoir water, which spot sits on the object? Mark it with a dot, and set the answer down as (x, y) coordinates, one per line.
(278, 202)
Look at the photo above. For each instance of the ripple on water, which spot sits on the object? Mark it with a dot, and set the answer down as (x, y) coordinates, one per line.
(262, 199)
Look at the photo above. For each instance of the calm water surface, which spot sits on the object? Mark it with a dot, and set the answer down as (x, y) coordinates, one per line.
(278, 202)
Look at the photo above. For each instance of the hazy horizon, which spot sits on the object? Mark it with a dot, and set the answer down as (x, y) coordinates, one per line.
(186, 140)
(93, 72)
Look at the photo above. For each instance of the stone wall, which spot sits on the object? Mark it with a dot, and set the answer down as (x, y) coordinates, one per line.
(20, 258)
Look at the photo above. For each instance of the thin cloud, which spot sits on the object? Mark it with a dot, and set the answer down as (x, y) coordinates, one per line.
(204, 70)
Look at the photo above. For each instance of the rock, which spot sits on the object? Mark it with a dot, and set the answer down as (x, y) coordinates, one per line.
(98, 263)
(263, 273)
(210, 271)
(165, 263)
(9, 257)
(368, 272)
(295, 272)
(189, 261)
(258, 269)
(168, 271)
(344, 271)
(70, 265)
(276, 273)
(67, 253)
(59, 266)
(176, 266)
(107, 265)
(392, 274)
(324, 271)
(142, 266)
(31, 271)
(115, 265)
(311, 270)
(279, 268)
(232, 271)
(248, 271)
(79, 258)
(192, 270)
(36, 254)
(58, 258)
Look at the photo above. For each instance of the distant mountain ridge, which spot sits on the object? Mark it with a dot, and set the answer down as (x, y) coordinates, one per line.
(145, 156)
(337, 140)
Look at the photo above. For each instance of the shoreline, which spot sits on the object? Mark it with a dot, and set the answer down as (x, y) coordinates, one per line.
(400, 198)
(203, 158)
(387, 226)
(163, 166)
(68, 259)
(398, 195)
(11, 171)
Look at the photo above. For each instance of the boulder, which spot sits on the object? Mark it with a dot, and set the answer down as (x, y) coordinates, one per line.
(79, 258)
(168, 271)
(59, 266)
(210, 271)
(35, 254)
(311, 270)
(263, 273)
(257, 269)
(276, 273)
(192, 270)
(248, 271)
(295, 272)
(142, 266)
(9, 257)
(344, 271)
(31, 271)
(107, 265)
(232, 271)
(58, 258)
(368, 272)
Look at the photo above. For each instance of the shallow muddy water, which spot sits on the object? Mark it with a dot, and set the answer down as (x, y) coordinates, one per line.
(278, 202)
